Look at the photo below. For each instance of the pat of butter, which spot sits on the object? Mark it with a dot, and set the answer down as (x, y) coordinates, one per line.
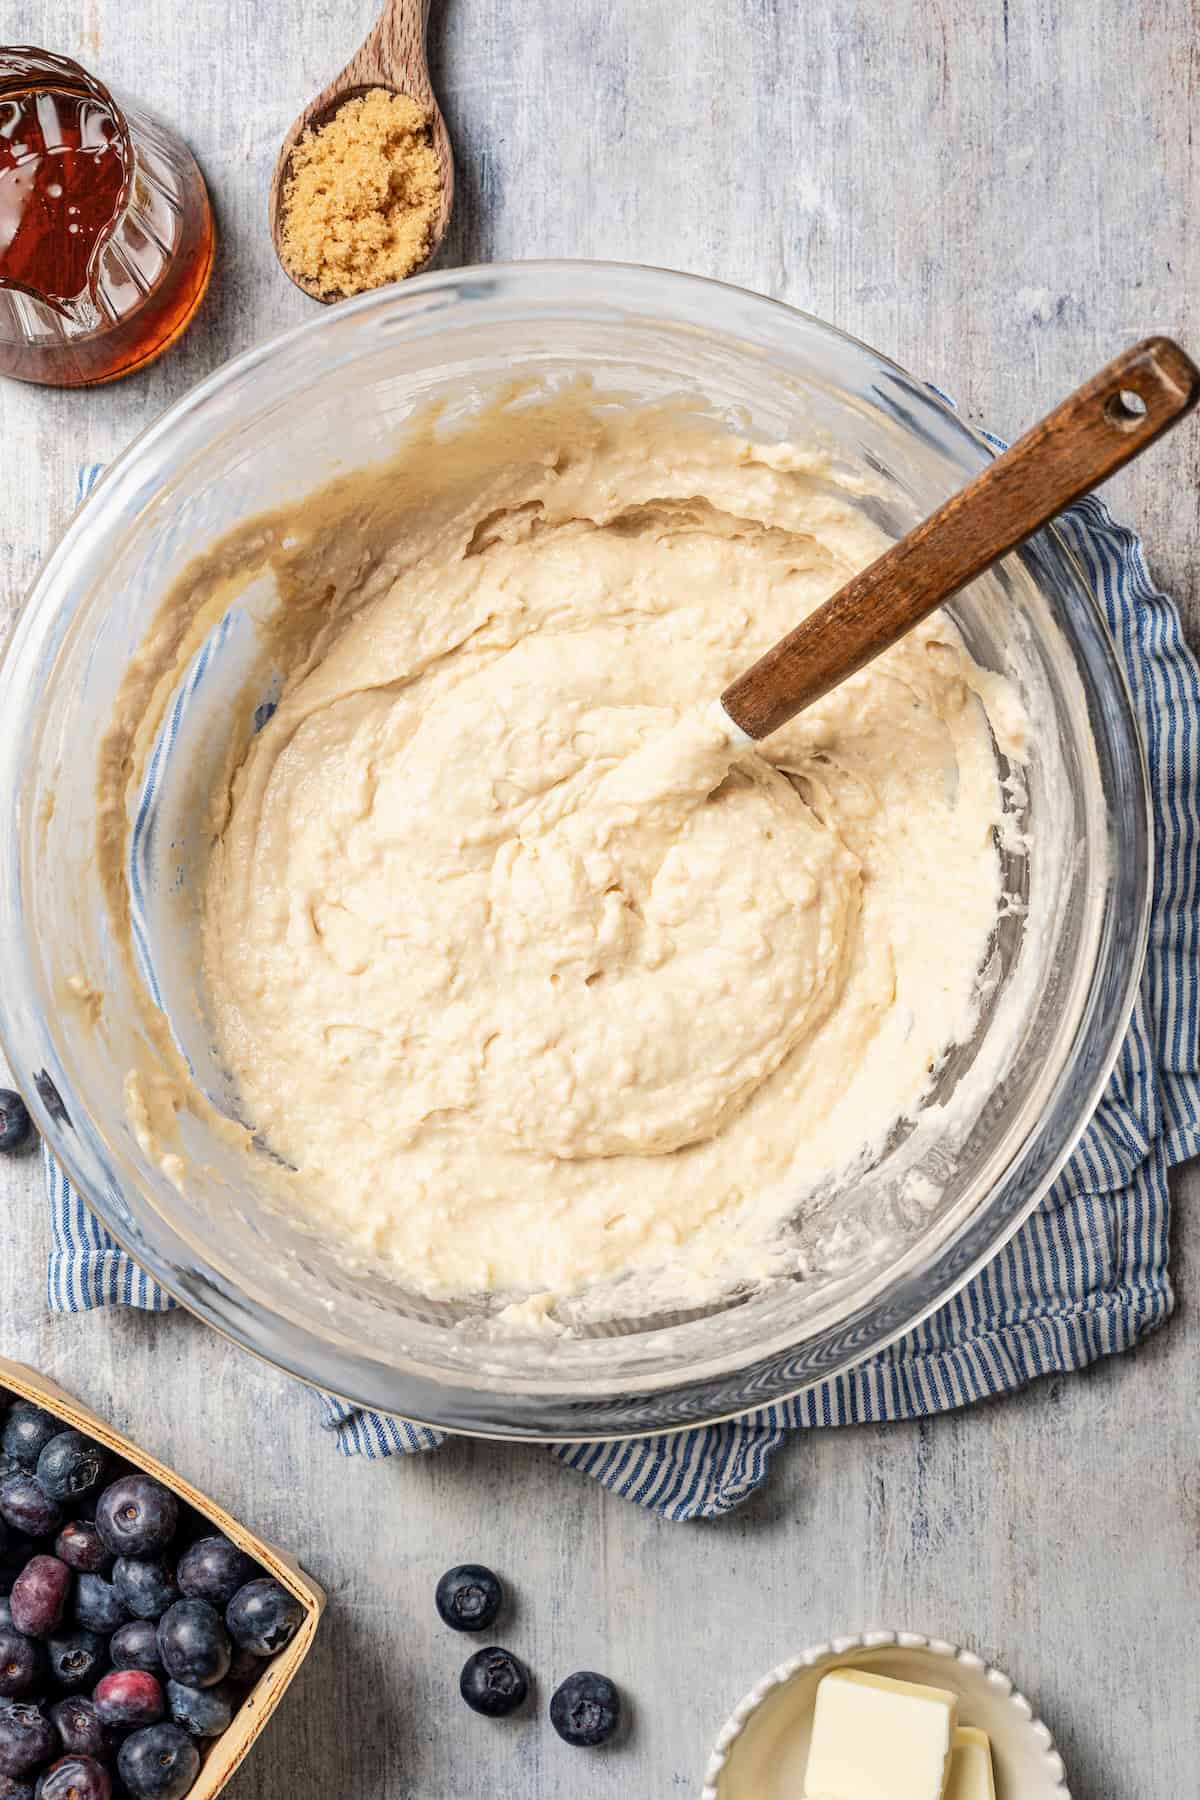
(879, 1739)
(970, 1766)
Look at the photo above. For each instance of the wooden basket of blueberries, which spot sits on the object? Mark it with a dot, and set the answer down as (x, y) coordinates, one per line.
(145, 1636)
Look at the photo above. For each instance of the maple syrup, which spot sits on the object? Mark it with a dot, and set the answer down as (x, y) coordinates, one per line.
(106, 238)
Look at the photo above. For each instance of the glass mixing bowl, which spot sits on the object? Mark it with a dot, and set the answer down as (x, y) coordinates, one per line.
(897, 1242)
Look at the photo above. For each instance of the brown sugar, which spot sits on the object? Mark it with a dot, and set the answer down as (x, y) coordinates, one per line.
(362, 196)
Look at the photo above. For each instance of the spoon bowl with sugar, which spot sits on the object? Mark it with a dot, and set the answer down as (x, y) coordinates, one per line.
(392, 61)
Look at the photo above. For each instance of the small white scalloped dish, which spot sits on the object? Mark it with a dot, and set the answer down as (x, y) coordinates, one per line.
(762, 1751)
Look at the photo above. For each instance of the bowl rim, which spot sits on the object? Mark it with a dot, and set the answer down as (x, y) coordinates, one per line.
(836, 1650)
(684, 1404)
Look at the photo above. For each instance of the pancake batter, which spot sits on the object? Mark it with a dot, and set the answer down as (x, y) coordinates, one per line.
(534, 979)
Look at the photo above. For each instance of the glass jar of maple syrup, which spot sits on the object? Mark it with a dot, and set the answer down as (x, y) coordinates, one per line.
(106, 236)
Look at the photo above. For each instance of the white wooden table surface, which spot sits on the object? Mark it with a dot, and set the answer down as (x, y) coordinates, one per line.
(999, 193)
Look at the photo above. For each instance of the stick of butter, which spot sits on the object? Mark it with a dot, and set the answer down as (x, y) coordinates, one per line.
(970, 1766)
(878, 1739)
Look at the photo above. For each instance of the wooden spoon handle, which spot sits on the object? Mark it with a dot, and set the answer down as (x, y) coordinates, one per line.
(393, 52)
(1102, 426)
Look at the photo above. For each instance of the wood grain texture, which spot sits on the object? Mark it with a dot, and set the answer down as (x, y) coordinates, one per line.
(995, 194)
(392, 55)
(1078, 444)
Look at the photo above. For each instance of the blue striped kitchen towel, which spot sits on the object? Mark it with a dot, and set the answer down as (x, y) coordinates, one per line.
(1087, 1274)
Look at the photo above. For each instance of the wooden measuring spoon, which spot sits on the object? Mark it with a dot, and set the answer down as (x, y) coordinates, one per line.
(1091, 435)
(393, 56)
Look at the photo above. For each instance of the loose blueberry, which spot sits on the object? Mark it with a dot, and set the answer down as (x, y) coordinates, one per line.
(78, 1726)
(74, 1778)
(202, 1712)
(80, 1546)
(26, 1506)
(14, 1790)
(147, 1588)
(70, 1466)
(160, 1763)
(193, 1644)
(129, 1697)
(585, 1709)
(77, 1659)
(27, 1431)
(135, 1646)
(137, 1516)
(16, 1126)
(98, 1604)
(263, 1617)
(27, 1738)
(493, 1682)
(469, 1597)
(22, 1662)
(39, 1596)
(213, 1569)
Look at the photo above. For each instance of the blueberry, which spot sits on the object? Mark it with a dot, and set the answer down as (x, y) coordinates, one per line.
(74, 1778)
(193, 1644)
(77, 1658)
(22, 1662)
(160, 1763)
(27, 1431)
(585, 1709)
(26, 1507)
(98, 1604)
(135, 1646)
(214, 1569)
(80, 1546)
(39, 1596)
(69, 1466)
(263, 1617)
(26, 1738)
(16, 1126)
(469, 1597)
(202, 1712)
(14, 1790)
(78, 1726)
(147, 1588)
(129, 1697)
(137, 1516)
(493, 1682)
